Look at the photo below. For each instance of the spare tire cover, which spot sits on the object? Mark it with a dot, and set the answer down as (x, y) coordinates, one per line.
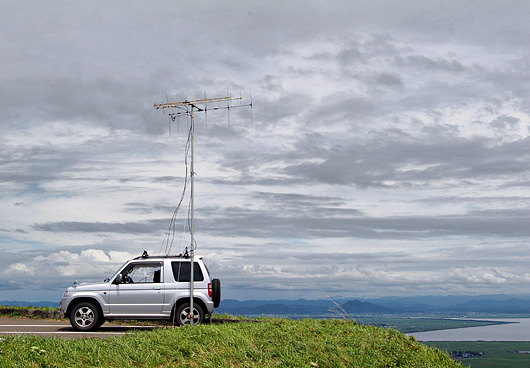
(216, 292)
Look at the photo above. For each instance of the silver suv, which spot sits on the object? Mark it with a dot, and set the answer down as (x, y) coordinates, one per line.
(145, 288)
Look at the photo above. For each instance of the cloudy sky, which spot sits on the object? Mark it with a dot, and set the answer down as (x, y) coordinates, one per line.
(387, 151)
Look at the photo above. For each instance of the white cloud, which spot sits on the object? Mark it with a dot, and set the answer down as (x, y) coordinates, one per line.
(92, 264)
(19, 269)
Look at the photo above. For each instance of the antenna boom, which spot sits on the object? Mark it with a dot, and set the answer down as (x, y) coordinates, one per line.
(193, 103)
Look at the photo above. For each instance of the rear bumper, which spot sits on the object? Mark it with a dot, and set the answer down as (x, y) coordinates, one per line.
(209, 307)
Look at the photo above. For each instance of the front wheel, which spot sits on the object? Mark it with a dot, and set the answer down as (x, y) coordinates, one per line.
(85, 316)
(182, 315)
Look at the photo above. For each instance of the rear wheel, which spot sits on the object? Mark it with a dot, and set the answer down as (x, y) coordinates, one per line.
(182, 315)
(85, 316)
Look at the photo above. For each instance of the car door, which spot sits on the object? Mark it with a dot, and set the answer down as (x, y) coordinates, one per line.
(140, 291)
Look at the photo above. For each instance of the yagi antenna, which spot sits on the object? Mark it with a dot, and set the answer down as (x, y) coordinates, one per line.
(188, 108)
(203, 105)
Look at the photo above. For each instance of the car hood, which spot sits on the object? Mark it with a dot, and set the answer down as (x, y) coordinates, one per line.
(90, 286)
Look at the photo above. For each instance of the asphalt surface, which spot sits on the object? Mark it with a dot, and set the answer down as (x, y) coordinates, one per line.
(62, 329)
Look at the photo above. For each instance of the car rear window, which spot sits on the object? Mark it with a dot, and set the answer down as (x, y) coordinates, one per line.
(181, 271)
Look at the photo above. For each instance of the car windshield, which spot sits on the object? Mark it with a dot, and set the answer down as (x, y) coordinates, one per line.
(115, 273)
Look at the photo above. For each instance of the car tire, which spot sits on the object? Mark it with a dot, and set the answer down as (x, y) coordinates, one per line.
(216, 292)
(181, 315)
(85, 316)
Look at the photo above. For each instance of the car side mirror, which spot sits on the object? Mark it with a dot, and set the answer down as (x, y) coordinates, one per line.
(118, 279)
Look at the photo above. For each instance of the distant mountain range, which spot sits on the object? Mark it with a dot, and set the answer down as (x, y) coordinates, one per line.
(492, 304)
(417, 305)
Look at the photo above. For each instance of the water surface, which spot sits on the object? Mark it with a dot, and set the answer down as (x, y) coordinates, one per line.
(517, 330)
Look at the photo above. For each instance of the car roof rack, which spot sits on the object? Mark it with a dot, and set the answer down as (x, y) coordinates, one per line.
(145, 255)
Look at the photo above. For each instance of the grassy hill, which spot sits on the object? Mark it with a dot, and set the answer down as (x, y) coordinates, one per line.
(266, 343)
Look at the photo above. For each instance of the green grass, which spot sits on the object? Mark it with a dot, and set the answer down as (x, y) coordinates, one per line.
(497, 354)
(266, 343)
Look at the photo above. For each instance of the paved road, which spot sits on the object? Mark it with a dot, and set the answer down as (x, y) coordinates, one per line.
(52, 328)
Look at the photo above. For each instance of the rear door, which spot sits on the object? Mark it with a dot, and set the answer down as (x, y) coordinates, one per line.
(141, 292)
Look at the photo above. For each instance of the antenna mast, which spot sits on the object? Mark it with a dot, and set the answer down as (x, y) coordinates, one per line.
(188, 108)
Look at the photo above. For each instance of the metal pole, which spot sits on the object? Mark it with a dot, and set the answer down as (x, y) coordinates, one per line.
(192, 252)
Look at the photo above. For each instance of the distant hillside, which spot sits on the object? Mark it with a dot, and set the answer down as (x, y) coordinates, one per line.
(511, 306)
(493, 304)
(301, 308)
(358, 307)
(12, 303)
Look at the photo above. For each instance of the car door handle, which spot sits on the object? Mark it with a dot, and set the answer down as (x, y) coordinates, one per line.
(157, 288)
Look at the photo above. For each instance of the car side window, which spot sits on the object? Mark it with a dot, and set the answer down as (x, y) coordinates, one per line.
(181, 271)
(142, 273)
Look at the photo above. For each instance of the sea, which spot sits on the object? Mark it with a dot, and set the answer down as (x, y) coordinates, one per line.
(517, 329)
